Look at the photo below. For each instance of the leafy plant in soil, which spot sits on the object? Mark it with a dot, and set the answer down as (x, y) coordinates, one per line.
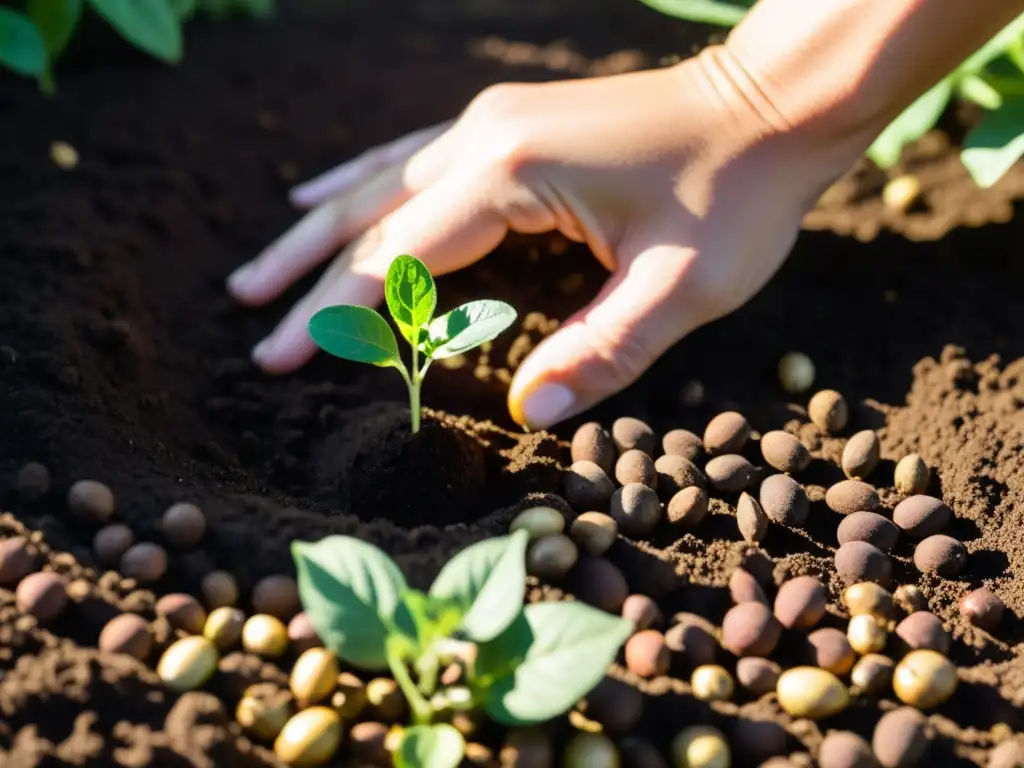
(361, 334)
(520, 665)
(992, 78)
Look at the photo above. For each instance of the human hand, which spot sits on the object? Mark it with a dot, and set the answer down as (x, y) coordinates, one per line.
(684, 182)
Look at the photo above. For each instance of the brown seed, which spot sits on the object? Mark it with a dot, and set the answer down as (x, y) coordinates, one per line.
(42, 595)
(800, 602)
(676, 473)
(551, 557)
(750, 629)
(615, 705)
(183, 525)
(629, 433)
(784, 500)
(711, 682)
(586, 486)
(301, 634)
(924, 679)
(366, 744)
(728, 432)
(784, 452)
(751, 519)
(128, 634)
(867, 598)
(758, 564)
(111, 542)
(682, 442)
(828, 411)
(688, 507)
(744, 588)
(277, 595)
(594, 532)
(182, 612)
(263, 710)
(33, 482)
(636, 509)
(940, 554)
(526, 748)
(861, 454)
(758, 676)
(924, 630)
(758, 740)
(640, 753)
(859, 561)
(91, 501)
(692, 639)
(1009, 754)
(911, 475)
(384, 695)
(598, 582)
(829, 649)
(350, 697)
(16, 560)
(219, 589)
(870, 527)
(900, 739)
(849, 496)
(872, 674)
(593, 443)
(983, 608)
(635, 466)
(730, 472)
(646, 654)
(642, 611)
(145, 562)
(921, 516)
(845, 749)
(910, 598)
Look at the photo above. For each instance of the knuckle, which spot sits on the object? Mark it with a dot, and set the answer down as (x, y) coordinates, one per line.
(625, 354)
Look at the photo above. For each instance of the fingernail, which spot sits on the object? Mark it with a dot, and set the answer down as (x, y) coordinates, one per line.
(546, 404)
(238, 279)
(260, 351)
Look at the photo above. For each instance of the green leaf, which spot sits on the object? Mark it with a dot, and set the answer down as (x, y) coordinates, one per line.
(468, 326)
(56, 21)
(149, 25)
(1000, 43)
(724, 14)
(995, 143)
(976, 89)
(22, 49)
(549, 658)
(184, 9)
(424, 618)
(355, 333)
(411, 295)
(350, 590)
(488, 579)
(915, 121)
(430, 746)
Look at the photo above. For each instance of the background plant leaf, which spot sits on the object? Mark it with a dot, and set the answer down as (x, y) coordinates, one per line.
(22, 49)
(723, 14)
(998, 44)
(913, 123)
(976, 89)
(184, 9)
(350, 590)
(488, 579)
(430, 746)
(411, 295)
(995, 143)
(549, 658)
(468, 326)
(355, 333)
(56, 21)
(150, 25)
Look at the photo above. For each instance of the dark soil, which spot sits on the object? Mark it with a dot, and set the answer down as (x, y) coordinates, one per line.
(122, 359)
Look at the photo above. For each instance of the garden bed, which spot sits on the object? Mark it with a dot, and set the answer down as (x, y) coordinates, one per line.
(123, 360)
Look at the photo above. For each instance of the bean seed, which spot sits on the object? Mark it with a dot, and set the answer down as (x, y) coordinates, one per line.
(900, 739)
(91, 501)
(614, 704)
(184, 525)
(845, 749)
(921, 516)
(911, 475)
(682, 442)
(729, 472)
(866, 634)
(784, 452)
(849, 496)
(800, 602)
(182, 612)
(276, 595)
(591, 750)
(796, 372)
(751, 519)
(551, 557)
(126, 633)
(587, 487)
(264, 635)
(33, 482)
(757, 563)
(350, 697)
(910, 598)
(635, 466)
(111, 542)
(527, 747)
(366, 744)
(924, 679)
(859, 561)
(750, 629)
(728, 432)
(828, 411)
(1009, 754)
(636, 510)
(872, 674)
(693, 639)
(598, 582)
(688, 507)
(744, 588)
(538, 522)
(646, 654)
(756, 675)
(224, 626)
(861, 454)
(219, 588)
(941, 555)
(594, 532)
(711, 682)
(188, 663)
(812, 693)
(870, 527)
(829, 649)
(629, 433)
(868, 598)
(384, 695)
(982, 608)
(17, 560)
(314, 676)
(784, 500)
(924, 630)
(263, 710)
(642, 611)
(301, 633)
(145, 562)
(41, 594)
(701, 746)
(676, 473)
(309, 738)
(593, 443)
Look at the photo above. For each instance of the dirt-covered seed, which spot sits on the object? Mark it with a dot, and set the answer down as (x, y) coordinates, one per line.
(263, 710)
(911, 475)
(629, 433)
(188, 663)
(676, 473)
(219, 589)
(33, 481)
(314, 676)
(756, 675)
(182, 612)
(868, 598)
(126, 633)
(784, 451)
(111, 542)
(683, 442)
(866, 633)
(784, 500)
(41, 594)
(614, 704)
(538, 522)
(635, 466)
(751, 519)
(592, 443)
(642, 611)
(744, 588)
(384, 695)
(590, 750)
(924, 679)
(91, 501)
(700, 746)
(310, 737)
(859, 561)
(598, 582)
(757, 563)
(551, 557)
(526, 747)
(750, 629)
(594, 532)
(924, 630)
(940, 554)
(812, 693)
(910, 598)
(692, 638)
(636, 509)
(828, 411)
(870, 527)
(264, 635)
(277, 595)
(1009, 754)
(646, 654)
(800, 602)
(728, 432)
(849, 496)
(729, 472)
(829, 649)
(900, 739)
(872, 674)
(301, 633)
(711, 682)
(183, 525)
(587, 487)
(688, 507)
(17, 560)
(145, 562)
(861, 454)
(350, 697)
(796, 372)
(983, 608)
(845, 749)
(921, 516)
(224, 626)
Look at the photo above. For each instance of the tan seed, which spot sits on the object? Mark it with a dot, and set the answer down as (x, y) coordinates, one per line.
(751, 519)
(350, 697)
(729, 472)
(63, 155)
(17, 560)
(682, 442)
(264, 635)
(587, 487)
(41, 594)
(646, 654)
(901, 192)
(812, 693)
(309, 738)
(538, 522)
(701, 746)
(900, 739)
(629, 433)
(784, 500)
(910, 598)
(224, 626)
(784, 451)
(861, 454)
(829, 649)
(758, 676)
(263, 710)
(711, 682)
(828, 411)
(728, 432)
(941, 555)
(384, 695)
(872, 674)
(642, 611)
(866, 634)
(551, 557)
(126, 633)
(314, 676)
(593, 443)
(796, 372)
(688, 508)
(635, 466)
(182, 612)
(591, 750)
(849, 496)
(676, 473)
(188, 663)
(845, 749)
(744, 588)
(868, 598)
(800, 602)
(911, 475)
(594, 532)
(921, 516)
(301, 633)
(636, 509)
(924, 679)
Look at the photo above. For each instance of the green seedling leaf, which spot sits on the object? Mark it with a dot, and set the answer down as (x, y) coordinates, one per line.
(355, 333)
(411, 296)
(723, 14)
(995, 143)
(184, 9)
(550, 657)
(22, 49)
(999, 44)
(56, 21)
(425, 618)
(468, 326)
(350, 590)
(488, 580)
(430, 746)
(150, 25)
(915, 121)
(976, 89)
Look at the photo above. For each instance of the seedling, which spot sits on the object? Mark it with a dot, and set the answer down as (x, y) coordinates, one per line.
(520, 665)
(363, 335)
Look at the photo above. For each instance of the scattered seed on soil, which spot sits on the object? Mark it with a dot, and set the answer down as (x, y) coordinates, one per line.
(350, 697)
(750, 629)
(614, 704)
(940, 554)
(924, 630)
(812, 693)
(301, 633)
(629, 434)
(796, 372)
(111, 542)
(800, 602)
(636, 509)
(182, 612)
(910, 598)
(921, 516)
(642, 611)
(872, 674)
(538, 522)
(593, 443)
(600, 583)
(384, 695)
(594, 532)
(758, 564)
(861, 454)
(676, 473)
(784, 452)
(828, 411)
(744, 588)
(63, 155)
(33, 481)
(1009, 754)
(635, 466)
(859, 561)
(310, 737)
(527, 746)
(263, 710)
(183, 525)
(16, 560)
(640, 753)
(784, 500)
(126, 633)
(224, 626)
(870, 527)
(264, 635)
(314, 676)
(849, 496)
(277, 595)
(551, 557)
(983, 608)
(711, 682)
(219, 589)
(701, 746)
(900, 739)
(91, 501)
(868, 598)
(726, 433)
(751, 519)
(845, 749)
(693, 641)
(866, 633)
(590, 750)
(688, 508)
(924, 679)
(646, 654)
(901, 192)
(587, 487)
(145, 562)
(188, 663)
(683, 442)
(729, 473)
(42, 595)
(911, 475)
(829, 649)
(756, 675)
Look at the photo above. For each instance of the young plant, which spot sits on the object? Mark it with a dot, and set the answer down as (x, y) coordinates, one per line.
(521, 665)
(363, 335)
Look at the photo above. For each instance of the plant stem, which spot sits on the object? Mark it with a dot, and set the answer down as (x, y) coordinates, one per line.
(414, 403)
(422, 713)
